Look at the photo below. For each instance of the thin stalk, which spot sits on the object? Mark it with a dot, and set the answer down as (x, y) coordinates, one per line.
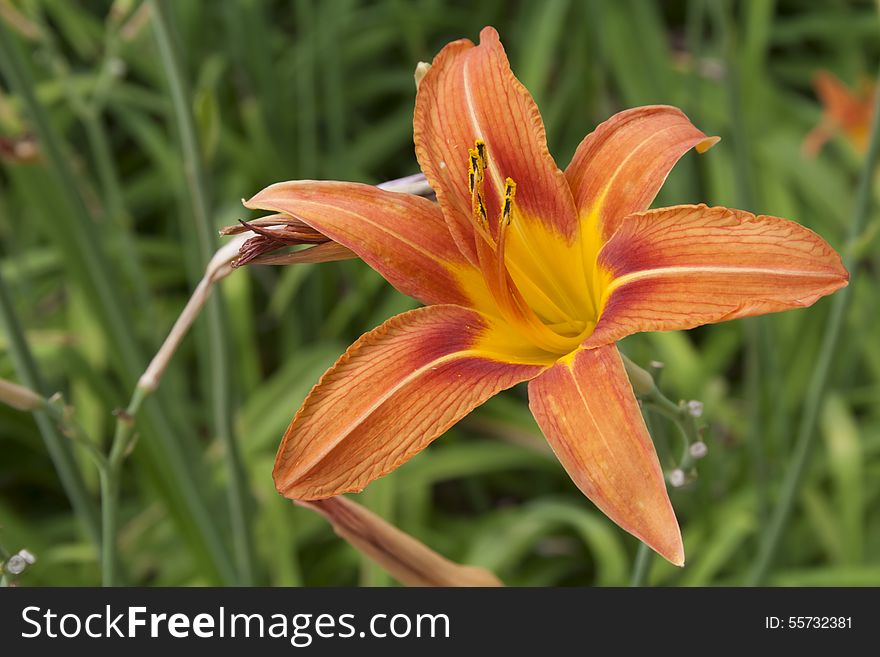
(239, 501)
(806, 435)
(642, 566)
(653, 400)
(123, 441)
(755, 328)
(109, 520)
(89, 258)
(378, 498)
(56, 444)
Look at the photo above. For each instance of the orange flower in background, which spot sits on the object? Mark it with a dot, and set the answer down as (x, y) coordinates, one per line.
(845, 110)
(530, 273)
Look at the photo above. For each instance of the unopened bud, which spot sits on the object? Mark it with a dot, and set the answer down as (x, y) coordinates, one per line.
(695, 408)
(698, 450)
(656, 365)
(642, 382)
(17, 563)
(676, 478)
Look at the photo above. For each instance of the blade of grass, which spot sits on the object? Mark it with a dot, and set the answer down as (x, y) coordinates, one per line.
(756, 365)
(76, 228)
(57, 445)
(238, 497)
(806, 435)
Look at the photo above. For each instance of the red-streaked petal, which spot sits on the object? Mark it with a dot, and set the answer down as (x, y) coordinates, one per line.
(470, 93)
(680, 267)
(401, 236)
(586, 408)
(392, 393)
(619, 168)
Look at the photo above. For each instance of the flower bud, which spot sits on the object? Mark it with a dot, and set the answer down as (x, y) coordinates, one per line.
(677, 478)
(695, 408)
(698, 450)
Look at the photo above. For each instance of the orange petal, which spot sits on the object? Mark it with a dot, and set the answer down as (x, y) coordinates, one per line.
(470, 93)
(393, 392)
(401, 236)
(586, 408)
(619, 168)
(680, 267)
(839, 101)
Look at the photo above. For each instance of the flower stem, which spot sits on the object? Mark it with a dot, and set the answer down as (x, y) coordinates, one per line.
(653, 400)
(238, 498)
(642, 566)
(806, 435)
(756, 366)
(123, 441)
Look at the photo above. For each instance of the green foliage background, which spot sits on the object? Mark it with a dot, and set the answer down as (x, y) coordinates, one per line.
(101, 258)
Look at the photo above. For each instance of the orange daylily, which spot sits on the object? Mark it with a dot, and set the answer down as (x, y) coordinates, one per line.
(530, 273)
(845, 110)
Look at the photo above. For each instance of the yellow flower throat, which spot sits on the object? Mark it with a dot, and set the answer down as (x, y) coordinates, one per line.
(540, 286)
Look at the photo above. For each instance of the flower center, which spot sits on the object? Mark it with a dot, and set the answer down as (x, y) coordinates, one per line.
(491, 240)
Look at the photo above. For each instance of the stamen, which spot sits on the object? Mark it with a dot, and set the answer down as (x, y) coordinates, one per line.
(473, 169)
(481, 209)
(509, 298)
(476, 174)
(491, 243)
(509, 194)
(481, 151)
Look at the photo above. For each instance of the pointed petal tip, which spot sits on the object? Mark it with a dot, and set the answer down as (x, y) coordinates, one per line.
(489, 33)
(707, 143)
(675, 555)
(262, 200)
(664, 539)
(663, 535)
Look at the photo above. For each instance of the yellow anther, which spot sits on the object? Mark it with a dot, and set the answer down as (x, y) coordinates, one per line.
(475, 168)
(509, 194)
(481, 209)
(480, 147)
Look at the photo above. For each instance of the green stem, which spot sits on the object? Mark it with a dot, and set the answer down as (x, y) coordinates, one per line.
(109, 519)
(123, 438)
(806, 435)
(642, 566)
(238, 498)
(379, 498)
(757, 357)
(58, 447)
(645, 386)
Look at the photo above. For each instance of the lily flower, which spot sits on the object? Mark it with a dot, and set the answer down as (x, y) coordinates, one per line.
(845, 110)
(529, 273)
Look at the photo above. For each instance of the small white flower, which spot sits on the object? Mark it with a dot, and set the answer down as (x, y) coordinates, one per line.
(676, 478)
(17, 563)
(695, 408)
(698, 450)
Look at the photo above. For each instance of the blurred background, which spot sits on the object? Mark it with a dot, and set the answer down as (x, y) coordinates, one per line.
(110, 201)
